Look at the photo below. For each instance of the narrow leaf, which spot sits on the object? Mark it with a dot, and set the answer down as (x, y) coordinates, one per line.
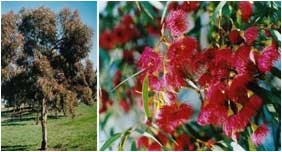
(157, 4)
(164, 12)
(275, 71)
(145, 96)
(148, 9)
(124, 139)
(109, 142)
(133, 75)
(276, 35)
(152, 137)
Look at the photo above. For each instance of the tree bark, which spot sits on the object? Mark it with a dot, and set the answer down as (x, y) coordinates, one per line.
(44, 124)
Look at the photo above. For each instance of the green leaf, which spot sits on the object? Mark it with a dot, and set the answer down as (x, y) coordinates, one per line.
(276, 35)
(266, 95)
(251, 145)
(145, 96)
(133, 146)
(132, 76)
(275, 71)
(147, 134)
(103, 123)
(148, 9)
(109, 142)
(226, 10)
(218, 10)
(123, 139)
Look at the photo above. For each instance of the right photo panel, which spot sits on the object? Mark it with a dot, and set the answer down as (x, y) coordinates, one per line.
(190, 76)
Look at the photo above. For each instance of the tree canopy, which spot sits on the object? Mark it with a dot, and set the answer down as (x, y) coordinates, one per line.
(45, 60)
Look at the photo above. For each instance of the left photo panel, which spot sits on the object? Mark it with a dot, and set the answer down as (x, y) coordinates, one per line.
(48, 76)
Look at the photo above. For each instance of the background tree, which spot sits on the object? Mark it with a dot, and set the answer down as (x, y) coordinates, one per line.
(44, 62)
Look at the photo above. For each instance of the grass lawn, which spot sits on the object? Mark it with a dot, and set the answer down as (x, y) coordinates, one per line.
(64, 133)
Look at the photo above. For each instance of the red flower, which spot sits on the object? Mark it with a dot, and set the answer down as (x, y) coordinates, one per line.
(107, 40)
(222, 58)
(151, 62)
(214, 110)
(183, 143)
(180, 54)
(127, 20)
(190, 6)
(266, 58)
(145, 142)
(124, 105)
(246, 9)
(176, 22)
(122, 34)
(258, 137)
(242, 61)
(217, 64)
(234, 37)
(162, 138)
(154, 30)
(238, 122)
(212, 114)
(238, 91)
(173, 79)
(117, 78)
(229, 107)
(251, 34)
(128, 56)
(173, 115)
(173, 6)
(106, 102)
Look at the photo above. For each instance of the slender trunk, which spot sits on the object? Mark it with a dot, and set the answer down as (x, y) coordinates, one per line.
(44, 124)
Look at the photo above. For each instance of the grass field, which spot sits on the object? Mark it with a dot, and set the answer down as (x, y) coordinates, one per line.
(64, 133)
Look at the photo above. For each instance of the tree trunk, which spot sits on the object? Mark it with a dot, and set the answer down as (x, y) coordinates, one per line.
(44, 124)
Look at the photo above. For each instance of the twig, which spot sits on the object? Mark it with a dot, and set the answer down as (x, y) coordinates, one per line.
(135, 74)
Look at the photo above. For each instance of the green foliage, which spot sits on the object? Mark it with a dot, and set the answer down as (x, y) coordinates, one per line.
(110, 141)
(145, 97)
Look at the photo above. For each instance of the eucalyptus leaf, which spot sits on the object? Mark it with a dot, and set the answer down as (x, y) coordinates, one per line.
(124, 139)
(145, 96)
(109, 142)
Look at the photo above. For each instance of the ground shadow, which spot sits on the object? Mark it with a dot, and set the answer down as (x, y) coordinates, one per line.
(18, 119)
(15, 148)
(12, 124)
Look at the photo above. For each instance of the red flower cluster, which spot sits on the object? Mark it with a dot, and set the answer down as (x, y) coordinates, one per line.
(120, 35)
(246, 10)
(182, 142)
(176, 22)
(234, 37)
(187, 6)
(117, 78)
(106, 102)
(168, 72)
(150, 144)
(251, 34)
(228, 101)
(259, 135)
(152, 63)
(265, 58)
(124, 105)
(173, 115)
(154, 29)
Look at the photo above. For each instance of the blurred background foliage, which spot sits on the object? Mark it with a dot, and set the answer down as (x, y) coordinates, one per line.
(122, 118)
